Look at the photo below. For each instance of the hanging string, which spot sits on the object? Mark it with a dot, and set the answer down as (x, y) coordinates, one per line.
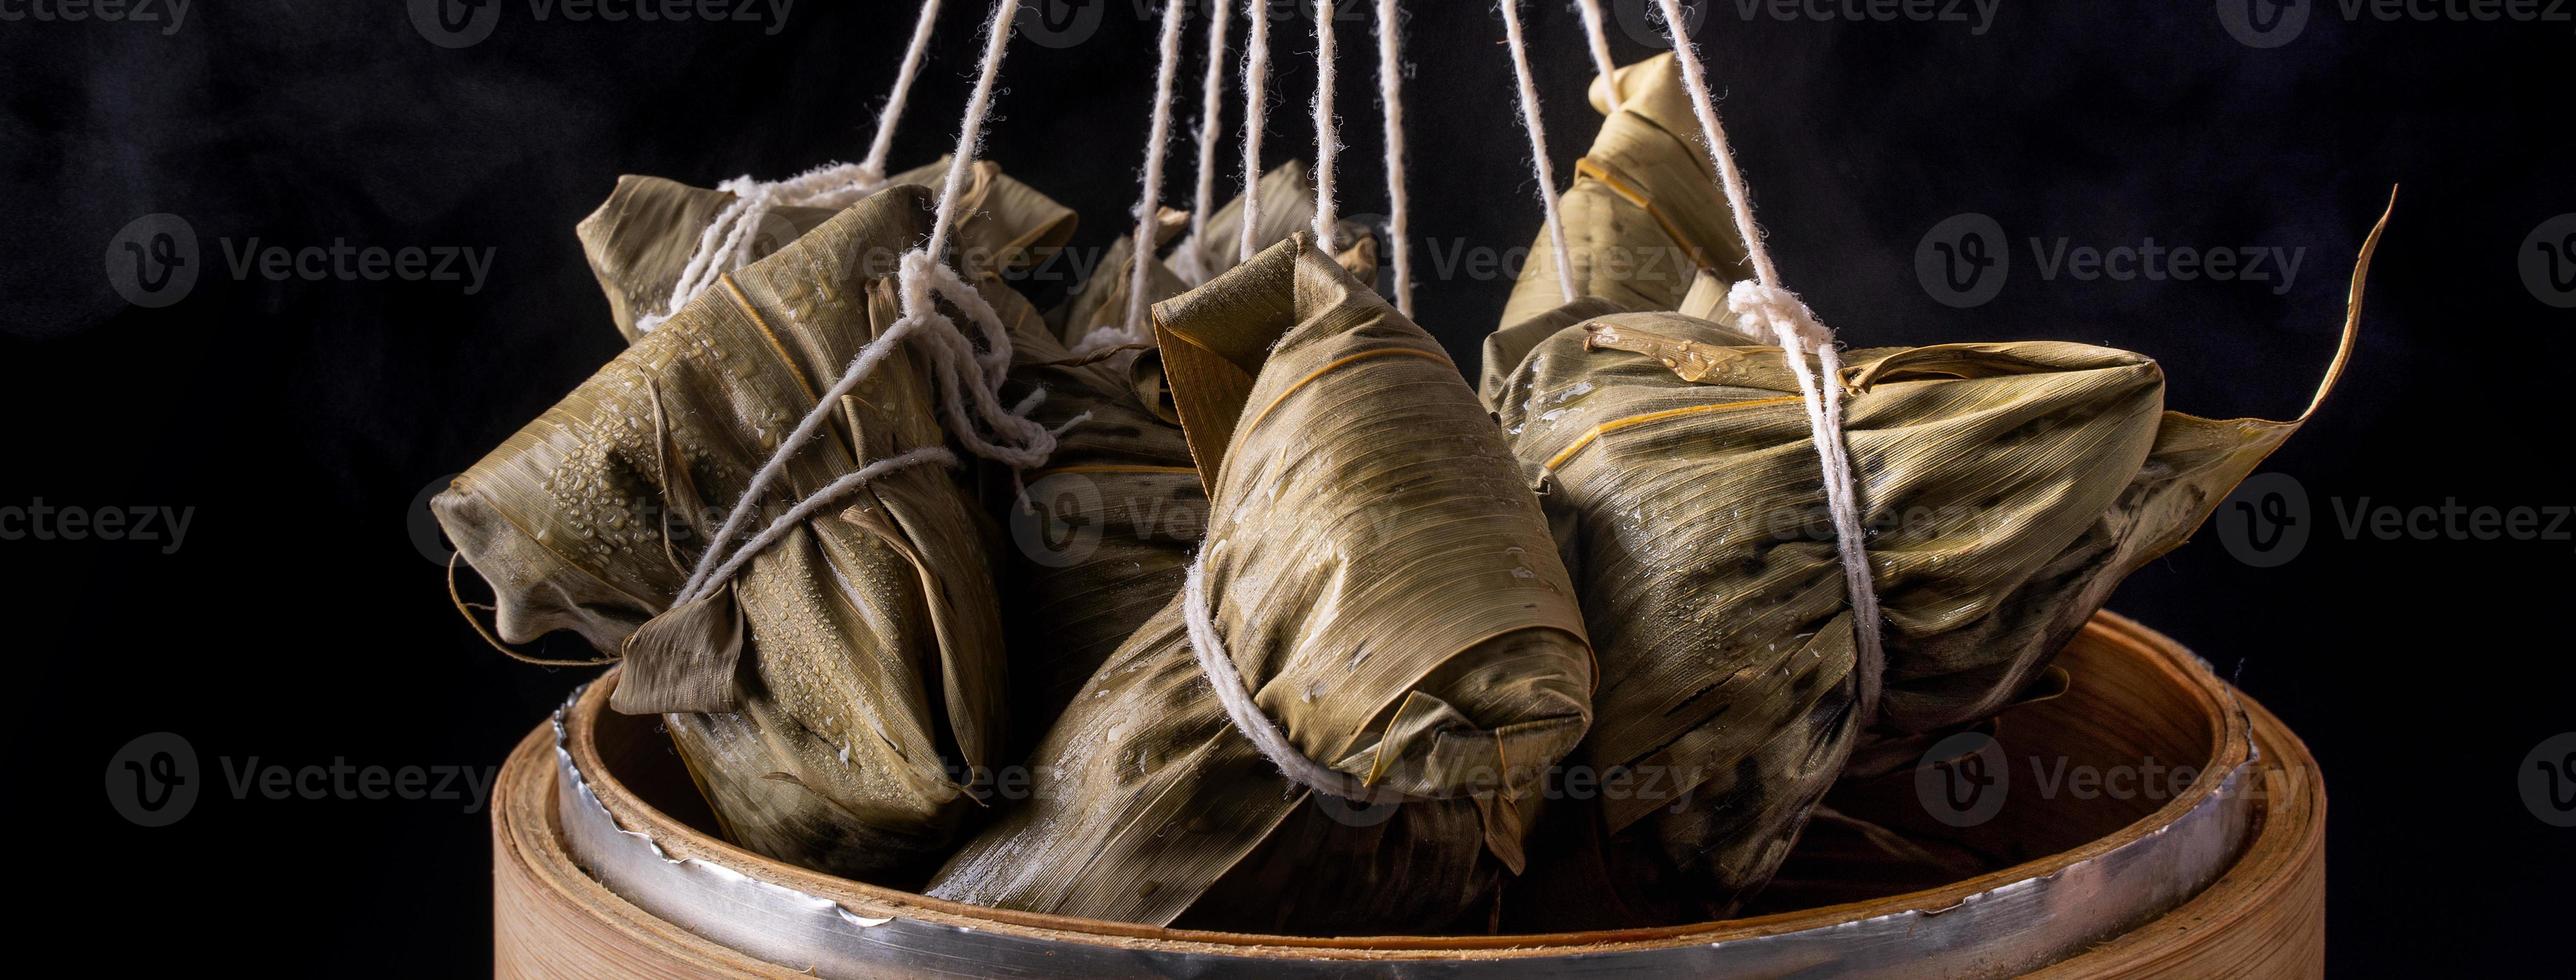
(727, 242)
(1211, 114)
(1390, 87)
(963, 375)
(1760, 300)
(1600, 49)
(1256, 112)
(1140, 252)
(1538, 149)
(883, 144)
(1328, 139)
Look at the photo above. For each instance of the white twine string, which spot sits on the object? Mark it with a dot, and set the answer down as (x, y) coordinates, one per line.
(1761, 300)
(727, 242)
(1328, 141)
(1390, 87)
(1600, 41)
(1140, 252)
(1538, 149)
(1211, 115)
(883, 144)
(962, 373)
(1248, 718)
(1256, 112)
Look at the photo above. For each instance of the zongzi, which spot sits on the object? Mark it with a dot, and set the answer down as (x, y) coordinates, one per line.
(1386, 594)
(2007, 487)
(834, 701)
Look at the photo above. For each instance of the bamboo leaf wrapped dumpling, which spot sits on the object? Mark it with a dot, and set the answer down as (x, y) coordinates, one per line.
(1640, 220)
(1385, 586)
(1110, 522)
(2007, 489)
(869, 682)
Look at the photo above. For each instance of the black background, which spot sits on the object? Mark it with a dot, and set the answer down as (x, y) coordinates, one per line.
(302, 621)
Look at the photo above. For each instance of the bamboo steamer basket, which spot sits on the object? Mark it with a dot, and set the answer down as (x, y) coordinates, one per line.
(603, 867)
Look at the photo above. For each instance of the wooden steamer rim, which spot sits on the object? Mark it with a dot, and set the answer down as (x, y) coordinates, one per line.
(592, 874)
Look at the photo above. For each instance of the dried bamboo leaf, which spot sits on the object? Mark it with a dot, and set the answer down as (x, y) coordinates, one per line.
(644, 234)
(2007, 489)
(872, 674)
(1642, 218)
(1389, 588)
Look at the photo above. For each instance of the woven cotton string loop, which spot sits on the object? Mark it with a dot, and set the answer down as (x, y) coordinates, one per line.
(1762, 302)
(1390, 89)
(1256, 113)
(727, 242)
(1537, 130)
(1247, 715)
(1211, 118)
(1328, 140)
(1600, 41)
(967, 379)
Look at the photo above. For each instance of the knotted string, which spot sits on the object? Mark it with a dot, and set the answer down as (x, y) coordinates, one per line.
(1760, 300)
(1537, 130)
(727, 242)
(967, 379)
